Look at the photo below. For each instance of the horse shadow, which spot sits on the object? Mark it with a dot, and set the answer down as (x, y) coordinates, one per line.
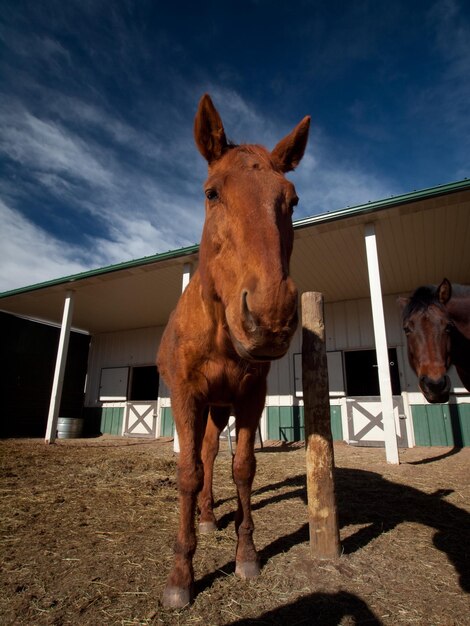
(367, 498)
(379, 505)
(322, 609)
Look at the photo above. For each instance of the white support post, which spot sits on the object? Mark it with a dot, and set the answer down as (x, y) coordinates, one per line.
(187, 271)
(56, 394)
(391, 446)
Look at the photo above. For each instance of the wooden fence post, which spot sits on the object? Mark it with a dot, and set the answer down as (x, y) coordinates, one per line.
(322, 513)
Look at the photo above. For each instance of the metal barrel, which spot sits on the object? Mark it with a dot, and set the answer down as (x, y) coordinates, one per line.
(69, 427)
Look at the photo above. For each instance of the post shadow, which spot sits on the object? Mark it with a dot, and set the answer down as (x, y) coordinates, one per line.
(379, 505)
(438, 457)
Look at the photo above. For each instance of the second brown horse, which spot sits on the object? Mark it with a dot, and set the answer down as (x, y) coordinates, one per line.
(237, 314)
(436, 321)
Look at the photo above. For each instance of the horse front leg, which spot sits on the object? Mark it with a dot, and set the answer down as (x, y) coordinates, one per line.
(244, 469)
(190, 422)
(217, 421)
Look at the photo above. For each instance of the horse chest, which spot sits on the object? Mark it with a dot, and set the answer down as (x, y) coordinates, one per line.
(228, 380)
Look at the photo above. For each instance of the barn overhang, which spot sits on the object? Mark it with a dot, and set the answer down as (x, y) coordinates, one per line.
(421, 237)
(369, 251)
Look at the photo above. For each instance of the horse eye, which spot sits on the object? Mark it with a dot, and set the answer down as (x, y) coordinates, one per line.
(211, 194)
(407, 330)
(449, 328)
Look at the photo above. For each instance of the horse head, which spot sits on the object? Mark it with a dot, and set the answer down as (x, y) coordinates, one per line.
(248, 236)
(428, 330)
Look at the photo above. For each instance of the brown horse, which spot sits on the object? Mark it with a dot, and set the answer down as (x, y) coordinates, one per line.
(436, 321)
(237, 314)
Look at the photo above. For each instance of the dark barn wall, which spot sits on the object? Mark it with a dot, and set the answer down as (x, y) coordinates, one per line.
(29, 352)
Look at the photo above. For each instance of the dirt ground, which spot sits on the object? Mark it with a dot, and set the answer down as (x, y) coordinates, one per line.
(87, 527)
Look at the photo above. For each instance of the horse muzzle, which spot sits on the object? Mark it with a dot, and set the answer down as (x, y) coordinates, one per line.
(256, 340)
(261, 345)
(435, 391)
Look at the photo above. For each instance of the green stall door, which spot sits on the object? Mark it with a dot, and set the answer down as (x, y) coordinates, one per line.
(441, 424)
(168, 424)
(111, 420)
(286, 423)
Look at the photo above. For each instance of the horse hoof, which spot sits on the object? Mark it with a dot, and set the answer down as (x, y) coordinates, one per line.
(247, 569)
(205, 528)
(177, 597)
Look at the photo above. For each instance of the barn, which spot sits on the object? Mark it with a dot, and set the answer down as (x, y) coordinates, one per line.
(361, 258)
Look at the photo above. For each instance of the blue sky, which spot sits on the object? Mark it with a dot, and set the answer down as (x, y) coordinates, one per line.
(97, 159)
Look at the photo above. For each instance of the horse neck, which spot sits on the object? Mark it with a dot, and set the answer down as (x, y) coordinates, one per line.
(460, 350)
(211, 316)
(458, 308)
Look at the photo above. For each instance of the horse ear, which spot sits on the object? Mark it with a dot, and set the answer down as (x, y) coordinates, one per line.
(444, 291)
(209, 131)
(402, 302)
(290, 150)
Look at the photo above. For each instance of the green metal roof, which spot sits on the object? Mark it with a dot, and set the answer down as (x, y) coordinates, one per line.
(372, 207)
(323, 218)
(171, 254)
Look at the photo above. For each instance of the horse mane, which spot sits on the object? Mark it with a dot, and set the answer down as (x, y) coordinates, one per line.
(426, 295)
(421, 299)
(460, 291)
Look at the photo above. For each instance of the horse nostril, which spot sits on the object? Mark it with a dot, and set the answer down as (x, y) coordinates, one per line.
(249, 322)
(441, 384)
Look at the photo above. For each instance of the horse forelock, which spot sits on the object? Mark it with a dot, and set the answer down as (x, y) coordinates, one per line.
(421, 299)
(246, 157)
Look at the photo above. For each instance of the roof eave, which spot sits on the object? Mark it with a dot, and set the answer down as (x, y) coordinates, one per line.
(66, 280)
(323, 218)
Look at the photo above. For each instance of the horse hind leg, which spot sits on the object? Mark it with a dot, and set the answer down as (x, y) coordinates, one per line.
(218, 420)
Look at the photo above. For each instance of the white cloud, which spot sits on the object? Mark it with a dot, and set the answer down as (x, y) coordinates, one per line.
(137, 209)
(30, 255)
(44, 147)
(146, 197)
(88, 159)
(89, 116)
(326, 181)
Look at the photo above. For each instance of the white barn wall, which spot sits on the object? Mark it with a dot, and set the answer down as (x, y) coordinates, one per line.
(281, 375)
(120, 349)
(348, 327)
